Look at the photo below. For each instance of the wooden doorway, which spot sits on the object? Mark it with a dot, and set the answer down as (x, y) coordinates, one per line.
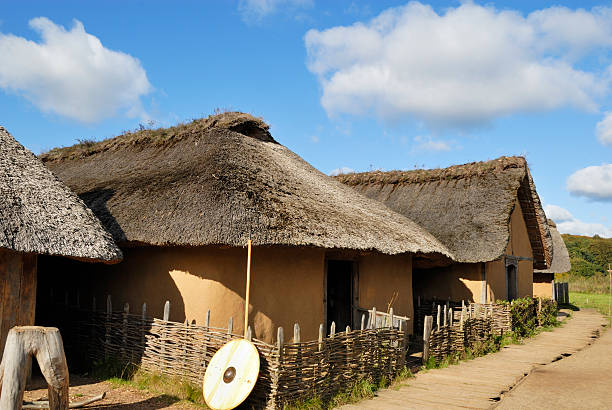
(340, 290)
(511, 282)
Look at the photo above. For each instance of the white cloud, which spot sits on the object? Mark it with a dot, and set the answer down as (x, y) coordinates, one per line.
(315, 139)
(593, 182)
(604, 129)
(255, 10)
(577, 227)
(70, 73)
(465, 66)
(430, 144)
(557, 214)
(566, 223)
(341, 170)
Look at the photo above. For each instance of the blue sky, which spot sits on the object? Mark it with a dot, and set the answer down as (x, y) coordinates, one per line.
(345, 84)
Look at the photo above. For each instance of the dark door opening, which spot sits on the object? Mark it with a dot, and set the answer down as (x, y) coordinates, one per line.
(339, 294)
(511, 282)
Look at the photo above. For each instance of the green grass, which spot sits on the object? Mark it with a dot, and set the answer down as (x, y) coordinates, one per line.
(595, 301)
(361, 390)
(597, 283)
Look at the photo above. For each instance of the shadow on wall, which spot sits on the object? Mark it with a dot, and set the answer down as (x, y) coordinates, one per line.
(443, 283)
(62, 280)
(191, 280)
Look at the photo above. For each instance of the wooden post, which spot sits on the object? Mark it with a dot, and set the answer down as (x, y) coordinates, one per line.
(296, 334)
(167, 311)
(332, 331)
(143, 321)
(249, 334)
(450, 316)
(419, 301)
(22, 343)
(321, 334)
(248, 290)
(403, 327)
(126, 311)
(374, 324)
(280, 336)
(461, 319)
(438, 318)
(297, 339)
(363, 321)
(207, 320)
(230, 325)
(166, 318)
(445, 315)
(391, 317)
(427, 325)
(107, 324)
(610, 296)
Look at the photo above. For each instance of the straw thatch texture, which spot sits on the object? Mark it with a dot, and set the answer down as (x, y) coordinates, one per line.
(39, 214)
(219, 180)
(467, 207)
(560, 259)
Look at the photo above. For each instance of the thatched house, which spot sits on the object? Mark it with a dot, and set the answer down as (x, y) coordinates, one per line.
(38, 215)
(182, 203)
(488, 215)
(543, 278)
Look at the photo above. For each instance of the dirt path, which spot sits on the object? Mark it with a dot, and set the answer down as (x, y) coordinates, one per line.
(117, 397)
(581, 381)
(481, 382)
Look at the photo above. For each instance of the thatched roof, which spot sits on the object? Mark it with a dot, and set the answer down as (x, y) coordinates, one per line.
(39, 214)
(467, 207)
(560, 258)
(220, 179)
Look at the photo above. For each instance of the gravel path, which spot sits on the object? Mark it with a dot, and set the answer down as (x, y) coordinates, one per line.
(581, 381)
(481, 383)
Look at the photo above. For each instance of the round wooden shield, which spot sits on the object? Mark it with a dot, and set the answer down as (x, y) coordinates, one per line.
(231, 375)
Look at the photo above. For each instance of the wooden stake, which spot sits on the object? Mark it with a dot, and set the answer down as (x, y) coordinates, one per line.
(609, 298)
(427, 325)
(248, 286)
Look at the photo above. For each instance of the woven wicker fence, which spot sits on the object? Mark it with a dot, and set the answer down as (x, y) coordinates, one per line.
(288, 371)
(457, 330)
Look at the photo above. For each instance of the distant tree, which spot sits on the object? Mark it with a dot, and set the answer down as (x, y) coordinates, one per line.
(588, 255)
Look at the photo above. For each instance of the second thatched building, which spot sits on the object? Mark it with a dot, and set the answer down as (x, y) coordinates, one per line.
(488, 214)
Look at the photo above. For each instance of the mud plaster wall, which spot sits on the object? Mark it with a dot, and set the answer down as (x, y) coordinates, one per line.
(543, 285)
(382, 276)
(460, 281)
(286, 285)
(518, 245)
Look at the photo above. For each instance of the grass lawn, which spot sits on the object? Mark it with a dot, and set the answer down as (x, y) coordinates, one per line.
(596, 301)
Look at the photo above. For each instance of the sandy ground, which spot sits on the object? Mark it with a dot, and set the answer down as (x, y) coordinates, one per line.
(580, 381)
(117, 397)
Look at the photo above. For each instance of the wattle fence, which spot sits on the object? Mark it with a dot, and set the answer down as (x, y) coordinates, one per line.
(464, 327)
(293, 370)
(288, 371)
